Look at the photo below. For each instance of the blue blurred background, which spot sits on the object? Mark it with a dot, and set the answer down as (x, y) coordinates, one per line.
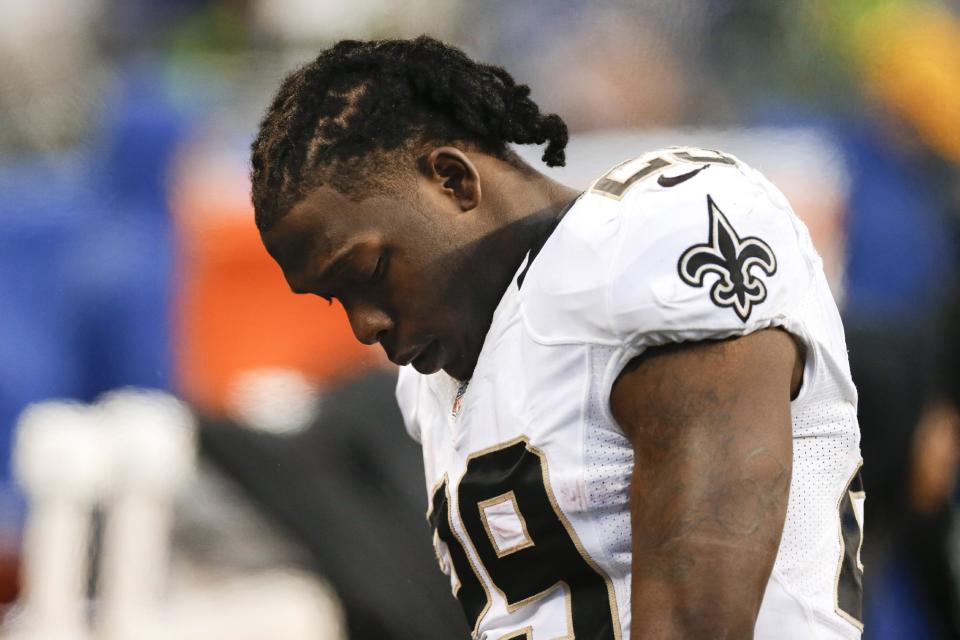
(128, 255)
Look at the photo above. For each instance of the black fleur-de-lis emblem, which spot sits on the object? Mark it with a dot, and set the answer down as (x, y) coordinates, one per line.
(731, 258)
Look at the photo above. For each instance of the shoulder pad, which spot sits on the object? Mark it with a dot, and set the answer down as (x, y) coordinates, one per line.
(712, 254)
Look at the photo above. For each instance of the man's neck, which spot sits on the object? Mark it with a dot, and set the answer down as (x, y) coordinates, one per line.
(531, 214)
(532, 205)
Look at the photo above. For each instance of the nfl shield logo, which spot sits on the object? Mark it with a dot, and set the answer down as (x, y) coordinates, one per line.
(462, 389)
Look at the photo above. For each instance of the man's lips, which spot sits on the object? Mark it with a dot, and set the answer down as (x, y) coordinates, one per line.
(409, 356)
(425, 359)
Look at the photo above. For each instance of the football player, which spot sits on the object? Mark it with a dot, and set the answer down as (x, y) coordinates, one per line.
(634, 402)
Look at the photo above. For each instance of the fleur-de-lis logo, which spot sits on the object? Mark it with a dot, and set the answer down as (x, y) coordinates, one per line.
(731, 258)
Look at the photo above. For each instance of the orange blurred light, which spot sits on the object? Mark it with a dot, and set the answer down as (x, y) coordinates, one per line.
(234, 310)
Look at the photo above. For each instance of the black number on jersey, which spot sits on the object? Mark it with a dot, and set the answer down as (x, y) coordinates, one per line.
(468, 587)
(850, 571)
(549, 555)
(614, 183)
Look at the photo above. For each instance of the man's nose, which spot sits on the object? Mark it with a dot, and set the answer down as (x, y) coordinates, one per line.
(369, 323)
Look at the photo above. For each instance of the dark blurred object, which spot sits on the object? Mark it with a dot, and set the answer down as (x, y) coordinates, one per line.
(350, 489)
(911, 447)
(9, 572)
(892, 368)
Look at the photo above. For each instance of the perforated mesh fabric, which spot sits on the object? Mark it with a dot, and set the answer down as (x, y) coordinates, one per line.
(810, 549)
(825, 453)
(608, 467)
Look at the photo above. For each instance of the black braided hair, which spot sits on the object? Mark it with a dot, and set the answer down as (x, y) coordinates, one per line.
(335, 119)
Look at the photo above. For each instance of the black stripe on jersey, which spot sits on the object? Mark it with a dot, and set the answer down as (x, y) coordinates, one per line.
(850, 578)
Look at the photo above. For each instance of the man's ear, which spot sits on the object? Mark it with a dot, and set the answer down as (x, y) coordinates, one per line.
(454, 174)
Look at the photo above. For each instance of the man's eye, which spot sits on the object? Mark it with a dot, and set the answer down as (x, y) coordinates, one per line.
(378, 269)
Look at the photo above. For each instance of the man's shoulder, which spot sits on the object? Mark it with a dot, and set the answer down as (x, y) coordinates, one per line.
(674, 239)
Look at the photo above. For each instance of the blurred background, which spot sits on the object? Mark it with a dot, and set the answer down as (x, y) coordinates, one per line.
(129, 258)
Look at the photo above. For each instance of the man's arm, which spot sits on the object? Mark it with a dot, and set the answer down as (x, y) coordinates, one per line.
(711, 432)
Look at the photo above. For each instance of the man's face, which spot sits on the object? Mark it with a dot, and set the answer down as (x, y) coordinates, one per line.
(407, 271)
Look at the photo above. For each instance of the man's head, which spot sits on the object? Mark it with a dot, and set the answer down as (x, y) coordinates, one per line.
(367, 188)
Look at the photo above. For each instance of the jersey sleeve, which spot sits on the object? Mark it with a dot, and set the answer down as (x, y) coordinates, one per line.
(710, 264)
(718, 255)
(722, 258)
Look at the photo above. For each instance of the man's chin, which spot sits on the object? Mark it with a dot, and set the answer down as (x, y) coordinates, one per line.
(426, 370)
(430, 360)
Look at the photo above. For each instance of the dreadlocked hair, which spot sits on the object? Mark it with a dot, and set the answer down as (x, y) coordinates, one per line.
(335, 119)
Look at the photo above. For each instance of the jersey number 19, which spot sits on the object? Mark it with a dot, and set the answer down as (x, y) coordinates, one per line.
(545, 556)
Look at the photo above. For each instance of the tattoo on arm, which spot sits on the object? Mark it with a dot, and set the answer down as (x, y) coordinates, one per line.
(712, 443)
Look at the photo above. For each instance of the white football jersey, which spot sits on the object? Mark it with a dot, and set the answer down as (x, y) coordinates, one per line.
(527, 471)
